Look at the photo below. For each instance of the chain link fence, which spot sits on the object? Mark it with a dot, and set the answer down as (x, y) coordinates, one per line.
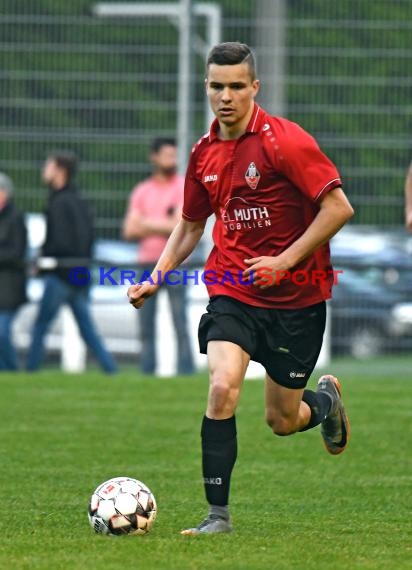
(106, 87)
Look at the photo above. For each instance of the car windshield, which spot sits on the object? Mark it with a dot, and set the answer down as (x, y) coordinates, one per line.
(358, 283)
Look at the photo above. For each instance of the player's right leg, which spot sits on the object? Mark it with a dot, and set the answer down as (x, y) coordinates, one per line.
(227, 365)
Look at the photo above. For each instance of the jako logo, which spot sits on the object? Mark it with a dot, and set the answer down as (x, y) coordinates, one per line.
(210, 178)
(297, 374)
(212, 480)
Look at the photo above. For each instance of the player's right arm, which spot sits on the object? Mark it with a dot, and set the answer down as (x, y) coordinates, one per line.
(408, 199)
(180, 245)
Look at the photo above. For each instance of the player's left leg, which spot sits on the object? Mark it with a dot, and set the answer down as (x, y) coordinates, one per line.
(290, 410)
(335, 427)
(290, 349)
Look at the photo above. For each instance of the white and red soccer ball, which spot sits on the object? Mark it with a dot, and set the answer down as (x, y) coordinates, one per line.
(122, 505)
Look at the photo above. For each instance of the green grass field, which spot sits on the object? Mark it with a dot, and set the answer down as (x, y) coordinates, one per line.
(293, 505)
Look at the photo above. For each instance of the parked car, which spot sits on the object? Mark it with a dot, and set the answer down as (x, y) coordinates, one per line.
(382, 257)
(366, 318)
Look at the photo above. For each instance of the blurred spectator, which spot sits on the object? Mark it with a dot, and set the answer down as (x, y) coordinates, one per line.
(154, 209)
(408, 199)
(13, 240)
(69, 239)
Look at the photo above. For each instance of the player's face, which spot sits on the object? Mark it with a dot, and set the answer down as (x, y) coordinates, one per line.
(231, 92)
(165, 160)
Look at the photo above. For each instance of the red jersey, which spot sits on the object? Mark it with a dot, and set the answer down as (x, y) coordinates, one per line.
(264, 189)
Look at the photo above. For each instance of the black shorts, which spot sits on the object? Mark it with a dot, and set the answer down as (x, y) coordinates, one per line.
(286, 342)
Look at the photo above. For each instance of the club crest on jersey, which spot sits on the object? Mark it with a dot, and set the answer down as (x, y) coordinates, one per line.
(252, 176)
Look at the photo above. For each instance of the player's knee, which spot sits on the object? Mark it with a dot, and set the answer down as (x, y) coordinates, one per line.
(222, 395)
(280, 425)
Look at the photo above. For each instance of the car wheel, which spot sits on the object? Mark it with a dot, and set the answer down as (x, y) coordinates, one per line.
(365, 343)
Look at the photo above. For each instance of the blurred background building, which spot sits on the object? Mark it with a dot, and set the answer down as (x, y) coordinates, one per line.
(104, 86)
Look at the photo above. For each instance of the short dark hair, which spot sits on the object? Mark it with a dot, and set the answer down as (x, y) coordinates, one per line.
(232, 53)
(66, 160)
(160, 142)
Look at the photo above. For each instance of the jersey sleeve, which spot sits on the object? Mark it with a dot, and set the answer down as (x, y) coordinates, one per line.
(300, 159)
(196, 203)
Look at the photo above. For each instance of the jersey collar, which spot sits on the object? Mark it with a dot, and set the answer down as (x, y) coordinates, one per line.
(253, 125)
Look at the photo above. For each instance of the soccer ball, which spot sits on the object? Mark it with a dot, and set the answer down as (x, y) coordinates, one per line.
(122, 505)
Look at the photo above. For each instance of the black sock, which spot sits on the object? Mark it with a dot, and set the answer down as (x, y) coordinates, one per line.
(319, 404)
(219, 451)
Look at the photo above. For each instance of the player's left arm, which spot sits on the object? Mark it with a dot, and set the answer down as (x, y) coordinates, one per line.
(334, 211)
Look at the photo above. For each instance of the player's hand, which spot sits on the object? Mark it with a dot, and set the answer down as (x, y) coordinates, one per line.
(267, 271)
(138, 293)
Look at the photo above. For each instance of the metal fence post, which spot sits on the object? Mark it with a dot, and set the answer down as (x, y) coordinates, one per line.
(184, 97)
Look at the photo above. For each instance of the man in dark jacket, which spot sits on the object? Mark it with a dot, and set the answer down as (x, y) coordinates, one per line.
(12, 270)
(69, 239)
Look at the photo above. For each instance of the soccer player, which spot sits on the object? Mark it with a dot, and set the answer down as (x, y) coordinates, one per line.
(277, 200)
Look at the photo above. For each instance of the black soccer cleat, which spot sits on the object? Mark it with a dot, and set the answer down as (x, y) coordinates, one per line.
(335, 428)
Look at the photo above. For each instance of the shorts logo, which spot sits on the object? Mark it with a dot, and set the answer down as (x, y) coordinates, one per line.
(252, 176)
(297, 374)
